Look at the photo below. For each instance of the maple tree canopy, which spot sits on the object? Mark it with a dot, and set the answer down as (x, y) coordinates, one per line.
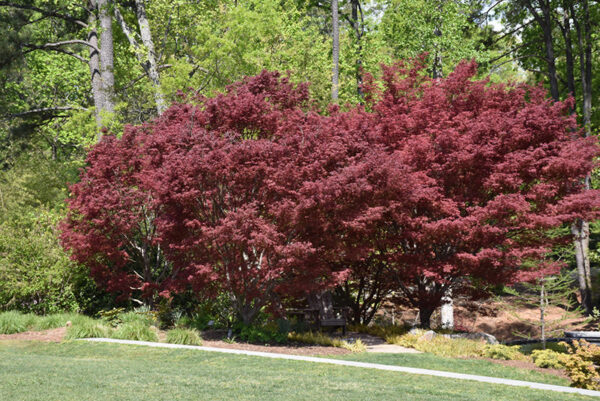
(449, 184)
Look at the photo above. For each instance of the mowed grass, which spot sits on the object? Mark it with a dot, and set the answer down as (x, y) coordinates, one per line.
(479, 367)
(93, 371)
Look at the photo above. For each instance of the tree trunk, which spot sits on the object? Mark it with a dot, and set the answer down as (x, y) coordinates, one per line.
(550, 58)
(581, 234)
(152, 66)
(566, 31)
(358, 30)
(542, 310)
(106, 56)
(335, 33)
(425, 316)
(580, 229)
(94, 63)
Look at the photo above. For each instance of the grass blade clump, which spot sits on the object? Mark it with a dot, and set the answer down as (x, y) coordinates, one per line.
(135, 330)
(183, 336)
(145, 318)
(86, 327)
(57, 320)
(12, 322)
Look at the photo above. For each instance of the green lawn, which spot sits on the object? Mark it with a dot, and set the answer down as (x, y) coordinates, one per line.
(94, 371)
(471, 366)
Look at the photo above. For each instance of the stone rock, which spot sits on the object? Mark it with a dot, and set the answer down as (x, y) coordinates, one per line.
(69, 324)
(428, 336)
(490, 339)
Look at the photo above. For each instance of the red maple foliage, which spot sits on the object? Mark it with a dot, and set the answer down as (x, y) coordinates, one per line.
(434, 185)
(503, 165)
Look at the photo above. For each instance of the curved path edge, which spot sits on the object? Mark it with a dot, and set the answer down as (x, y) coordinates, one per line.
(366, 365)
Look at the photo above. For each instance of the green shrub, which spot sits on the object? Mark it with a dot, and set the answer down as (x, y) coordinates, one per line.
(112, 317)
(268, 333)
(87, 328)
(12, 322)
(183, 336)
(135, 330)
(546, 358)
(505, 352)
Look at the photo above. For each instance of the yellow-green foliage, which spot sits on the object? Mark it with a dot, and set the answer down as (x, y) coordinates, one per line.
(547, 358)
(439, 345)
(319, 338)
(357, 346)
(505, 352)
(183, 336)
(579, 364)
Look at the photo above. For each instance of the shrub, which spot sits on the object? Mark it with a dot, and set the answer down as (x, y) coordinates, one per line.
(112, 317)
(580, 364)
(268, 333)
(135, 330)
(183, 336)
(12, 322)
(87, 328)
(357, 347)
(547, 358)
(505, 352)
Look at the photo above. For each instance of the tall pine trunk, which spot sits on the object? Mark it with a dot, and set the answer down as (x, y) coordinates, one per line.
(335, 33)
(581, 229)
(152, 66)
(106, 56)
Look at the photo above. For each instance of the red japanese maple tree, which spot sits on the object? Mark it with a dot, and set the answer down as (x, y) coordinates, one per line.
(503, 166)
(434, 186)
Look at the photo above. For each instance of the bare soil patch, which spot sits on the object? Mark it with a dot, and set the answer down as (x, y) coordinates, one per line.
(52, 335)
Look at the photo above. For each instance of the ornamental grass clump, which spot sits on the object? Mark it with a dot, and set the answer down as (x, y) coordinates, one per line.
(86, 327)
(12, 322)
(135, 330)
(183, 336)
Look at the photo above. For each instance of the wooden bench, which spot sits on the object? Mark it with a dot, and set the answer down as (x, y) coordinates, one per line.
(313, 317)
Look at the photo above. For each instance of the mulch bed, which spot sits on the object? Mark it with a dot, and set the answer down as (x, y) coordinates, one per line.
(210, 339)
(52, 335)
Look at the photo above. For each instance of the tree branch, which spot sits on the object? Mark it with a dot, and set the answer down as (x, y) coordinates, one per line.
(126, 29)
(42, 110)
(56, 49)
(48, 13)
(68, 42)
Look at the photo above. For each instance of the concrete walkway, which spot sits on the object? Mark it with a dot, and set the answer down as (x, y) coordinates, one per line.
(416, 371)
